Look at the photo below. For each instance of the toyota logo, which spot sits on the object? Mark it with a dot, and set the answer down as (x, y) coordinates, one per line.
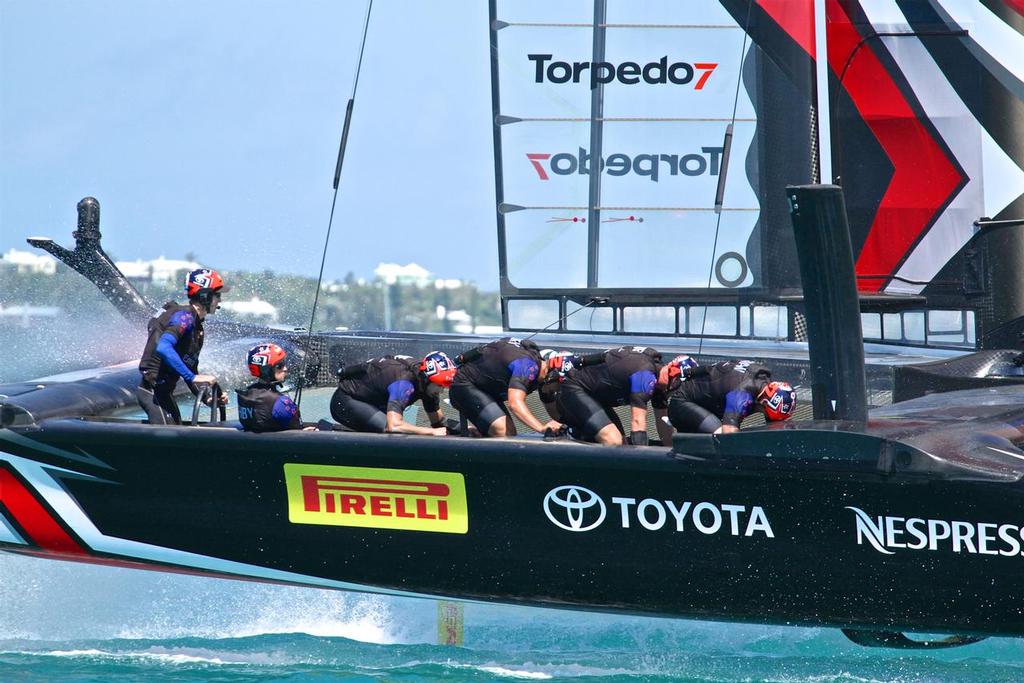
(574, 508)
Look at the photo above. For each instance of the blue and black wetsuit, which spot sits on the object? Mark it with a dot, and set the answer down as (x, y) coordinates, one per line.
(481, 385)
(366, 393)
(716, 395)
(628, 375)
(172, 351)
(262, 408)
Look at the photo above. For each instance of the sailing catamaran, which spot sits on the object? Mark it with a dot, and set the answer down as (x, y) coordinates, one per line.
(614, 142)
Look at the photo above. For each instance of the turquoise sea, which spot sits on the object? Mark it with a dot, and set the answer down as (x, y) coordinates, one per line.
(65, 622)
(70, 622)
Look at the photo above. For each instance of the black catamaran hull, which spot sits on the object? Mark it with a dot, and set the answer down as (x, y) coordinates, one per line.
(546, 524)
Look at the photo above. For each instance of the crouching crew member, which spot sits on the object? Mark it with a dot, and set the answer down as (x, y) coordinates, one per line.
(560, 364)
(714, 399)
(372, 396)
(629, 374)
(172, 349)
(262, 407)
(507, 369)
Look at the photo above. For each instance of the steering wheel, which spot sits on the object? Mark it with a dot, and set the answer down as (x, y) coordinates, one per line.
(214, 392)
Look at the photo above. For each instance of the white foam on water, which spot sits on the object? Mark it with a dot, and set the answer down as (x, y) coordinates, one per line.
(163, 655)
(544, 671)
(512, 673)
(59, 601)
(254, 610)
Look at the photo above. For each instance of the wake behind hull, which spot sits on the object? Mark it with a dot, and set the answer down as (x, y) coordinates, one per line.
(546, 524)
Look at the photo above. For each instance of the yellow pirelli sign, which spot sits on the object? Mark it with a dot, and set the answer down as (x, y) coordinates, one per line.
(413, 500)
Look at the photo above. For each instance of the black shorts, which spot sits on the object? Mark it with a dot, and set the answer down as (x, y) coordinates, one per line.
(690, 418)
(159, 404)
(477, 406)
(357, 415)
(584, 414)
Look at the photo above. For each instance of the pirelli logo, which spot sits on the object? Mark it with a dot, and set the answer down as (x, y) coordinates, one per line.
(413, 500)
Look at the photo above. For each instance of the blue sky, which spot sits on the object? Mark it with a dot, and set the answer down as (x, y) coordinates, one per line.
(213, 127)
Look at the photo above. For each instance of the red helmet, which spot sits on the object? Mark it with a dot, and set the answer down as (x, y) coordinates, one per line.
(203, 281)
(559, 363)
(439, 368)
(264, 360)
(676, 369)
(778, 400)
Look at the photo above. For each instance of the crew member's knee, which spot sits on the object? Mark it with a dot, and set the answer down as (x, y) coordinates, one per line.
(499, 428)
(609, 435)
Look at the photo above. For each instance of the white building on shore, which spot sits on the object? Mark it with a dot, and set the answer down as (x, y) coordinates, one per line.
(25, 262)
(157, 271)
(409, 274)
(254, 310)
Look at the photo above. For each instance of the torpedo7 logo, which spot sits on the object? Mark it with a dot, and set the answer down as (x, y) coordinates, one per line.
(651, 166)
(627, 73)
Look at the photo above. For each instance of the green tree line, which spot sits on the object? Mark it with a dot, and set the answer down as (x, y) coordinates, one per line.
(350, 303)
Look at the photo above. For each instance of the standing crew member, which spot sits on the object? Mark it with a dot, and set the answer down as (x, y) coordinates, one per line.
(507, 369)
(714, 399)
(172, 350)
(629, 374)
(372, 396)
(261, 406)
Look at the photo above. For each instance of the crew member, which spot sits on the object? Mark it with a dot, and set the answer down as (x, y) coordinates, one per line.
(629, 374)
(506, 369)
(714, 399)
(559, 363)
(372, 396)
(261, 406)
(172, 349)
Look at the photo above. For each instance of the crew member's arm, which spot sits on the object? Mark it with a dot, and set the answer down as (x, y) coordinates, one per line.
(659, 401)
(641, 388)
(400, 392)
(638, 421)
(524, 373)
(432, 406)
(286, 413)
(737, 406)
(180, 324)
(517, 404)
(665, 429)
(548, 393)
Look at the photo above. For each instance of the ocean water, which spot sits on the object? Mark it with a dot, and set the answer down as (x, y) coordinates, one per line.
(69, 622)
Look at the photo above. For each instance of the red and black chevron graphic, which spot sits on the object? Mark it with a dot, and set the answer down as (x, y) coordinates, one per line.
(33, 519)
(48, 536)
(897, 173)
(925, 176)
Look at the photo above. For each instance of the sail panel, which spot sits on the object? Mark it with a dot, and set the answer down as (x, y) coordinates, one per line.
(546, 248)
(668, 90)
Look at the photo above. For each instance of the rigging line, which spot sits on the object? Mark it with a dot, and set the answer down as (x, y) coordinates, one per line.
(538, 24)
(593, 300)
(334, 202)
(623, 119)
(702, 209)
(721, 189)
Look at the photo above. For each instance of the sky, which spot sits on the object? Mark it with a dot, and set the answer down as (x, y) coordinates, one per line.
(212, 128)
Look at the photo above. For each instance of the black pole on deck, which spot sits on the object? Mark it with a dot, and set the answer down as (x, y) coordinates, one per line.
(831, 304)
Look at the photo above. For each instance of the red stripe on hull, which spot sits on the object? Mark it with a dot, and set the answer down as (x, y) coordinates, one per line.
(40, 526)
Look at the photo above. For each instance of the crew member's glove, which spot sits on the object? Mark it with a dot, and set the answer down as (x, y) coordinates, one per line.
(638, 439)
